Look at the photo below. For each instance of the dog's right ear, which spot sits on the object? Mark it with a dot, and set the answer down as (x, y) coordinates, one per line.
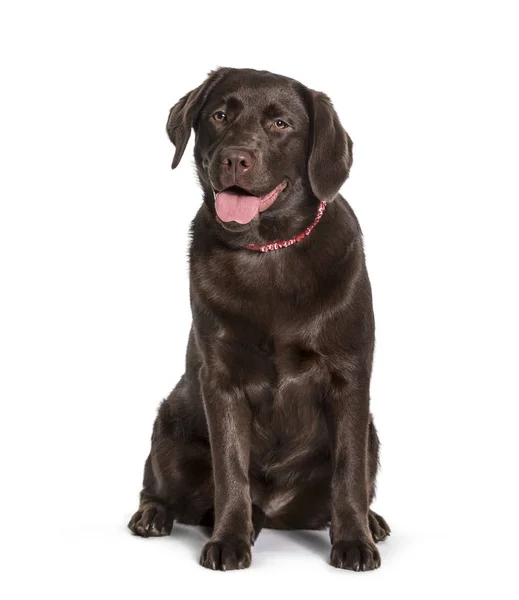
(183, 115)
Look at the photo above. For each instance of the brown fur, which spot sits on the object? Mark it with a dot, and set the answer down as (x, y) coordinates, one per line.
(270, 425)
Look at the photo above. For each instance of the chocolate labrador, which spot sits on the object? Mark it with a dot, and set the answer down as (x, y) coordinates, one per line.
(270, 424)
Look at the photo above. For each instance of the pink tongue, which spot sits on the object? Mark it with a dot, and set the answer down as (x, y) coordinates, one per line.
(234, 207)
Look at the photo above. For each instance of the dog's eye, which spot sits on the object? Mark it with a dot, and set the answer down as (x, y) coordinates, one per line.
(279, 124)
(219, 116)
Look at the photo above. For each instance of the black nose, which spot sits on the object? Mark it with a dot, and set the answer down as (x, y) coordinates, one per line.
(236, 160)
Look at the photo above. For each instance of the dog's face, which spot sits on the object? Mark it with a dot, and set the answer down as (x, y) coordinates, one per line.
(260, 139)
(252, 143)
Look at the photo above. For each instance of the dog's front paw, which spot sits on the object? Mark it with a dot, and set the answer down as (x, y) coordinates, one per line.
(225, 555)
(355, 555)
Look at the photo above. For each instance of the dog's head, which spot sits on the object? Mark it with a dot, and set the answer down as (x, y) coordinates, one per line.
(260, 139)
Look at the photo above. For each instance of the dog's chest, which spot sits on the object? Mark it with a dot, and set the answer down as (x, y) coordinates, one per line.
(288, 426)
(273, 339)
(265, 289)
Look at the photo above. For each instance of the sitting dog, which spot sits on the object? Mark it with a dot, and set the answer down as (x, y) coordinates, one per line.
(270, 424)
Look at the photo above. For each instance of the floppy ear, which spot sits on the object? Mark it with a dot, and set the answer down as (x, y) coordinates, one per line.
(330, 156)
(183, 115)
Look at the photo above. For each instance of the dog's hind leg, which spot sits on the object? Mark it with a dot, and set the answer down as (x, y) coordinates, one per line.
(153, 518)
(258, 520)
(378, 526)
(178, 483)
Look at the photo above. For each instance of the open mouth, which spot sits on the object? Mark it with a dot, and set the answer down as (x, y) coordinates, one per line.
(236, 204)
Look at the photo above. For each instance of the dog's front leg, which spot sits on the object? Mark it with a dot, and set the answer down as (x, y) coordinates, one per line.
(347, 411)
(229, 420)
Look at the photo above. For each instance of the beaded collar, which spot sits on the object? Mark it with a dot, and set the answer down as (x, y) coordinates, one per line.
(285, 243)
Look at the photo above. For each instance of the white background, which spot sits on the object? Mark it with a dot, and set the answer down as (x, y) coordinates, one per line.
(94, 291)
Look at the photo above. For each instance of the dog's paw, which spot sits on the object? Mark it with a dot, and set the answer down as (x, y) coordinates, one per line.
(380, 530)
(355, 555)
(226, 555)
(151, 521)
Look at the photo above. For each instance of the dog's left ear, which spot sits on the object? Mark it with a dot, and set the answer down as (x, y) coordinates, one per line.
(331, 155)
(183, 115)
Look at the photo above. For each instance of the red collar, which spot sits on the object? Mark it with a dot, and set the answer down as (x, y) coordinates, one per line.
(285, 243)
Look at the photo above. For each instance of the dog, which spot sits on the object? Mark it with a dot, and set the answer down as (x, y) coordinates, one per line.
(270, 425)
